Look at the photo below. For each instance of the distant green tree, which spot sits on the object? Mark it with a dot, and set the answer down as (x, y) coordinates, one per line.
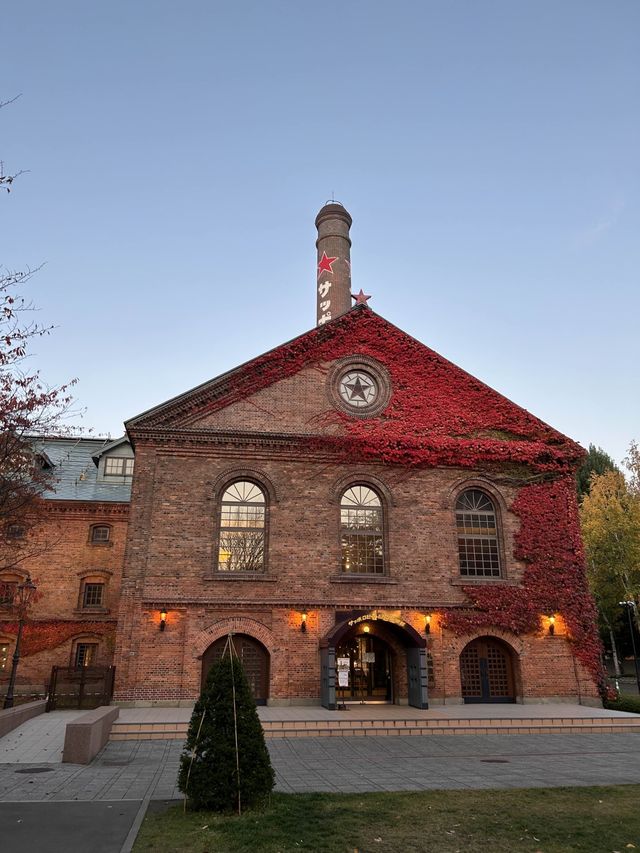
(632, 464)
(225, 765)
(610, 519)
(597, 461)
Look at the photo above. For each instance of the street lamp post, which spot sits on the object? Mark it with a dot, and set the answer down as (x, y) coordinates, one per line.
(630, 607)
(24, 595)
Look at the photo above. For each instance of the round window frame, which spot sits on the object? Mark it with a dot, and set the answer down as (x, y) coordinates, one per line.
(372, 368)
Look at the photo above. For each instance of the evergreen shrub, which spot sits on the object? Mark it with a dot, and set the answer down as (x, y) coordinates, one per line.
(208, 772)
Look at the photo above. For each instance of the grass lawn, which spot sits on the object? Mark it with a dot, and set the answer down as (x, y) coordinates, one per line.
(542, 820)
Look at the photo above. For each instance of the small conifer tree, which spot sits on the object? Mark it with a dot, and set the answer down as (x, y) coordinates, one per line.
(225, 764)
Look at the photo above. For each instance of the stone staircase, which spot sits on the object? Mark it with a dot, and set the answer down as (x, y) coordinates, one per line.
(341, 727)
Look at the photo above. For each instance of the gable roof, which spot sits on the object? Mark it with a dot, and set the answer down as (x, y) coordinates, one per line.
(75, 475)
(437, 414)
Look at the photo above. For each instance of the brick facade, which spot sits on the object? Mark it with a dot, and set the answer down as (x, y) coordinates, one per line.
(172, 549)
(353, 402)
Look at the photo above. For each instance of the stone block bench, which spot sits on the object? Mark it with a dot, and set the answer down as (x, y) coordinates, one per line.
(87, 734)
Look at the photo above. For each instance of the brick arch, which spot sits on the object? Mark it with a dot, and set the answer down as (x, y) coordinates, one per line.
(364, 478)
(515, 643)
(483, 484)
(514, 647)
(234, 625)
(254, 474)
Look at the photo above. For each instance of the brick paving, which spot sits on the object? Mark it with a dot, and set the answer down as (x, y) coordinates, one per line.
(138, 770)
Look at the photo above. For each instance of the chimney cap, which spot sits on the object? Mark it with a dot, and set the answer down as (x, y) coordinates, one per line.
(333, 209)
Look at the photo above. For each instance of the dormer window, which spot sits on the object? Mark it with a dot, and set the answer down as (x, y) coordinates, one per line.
(118, 466)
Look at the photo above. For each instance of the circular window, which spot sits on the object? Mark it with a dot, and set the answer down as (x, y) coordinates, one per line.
(358, 389)
(360, 386)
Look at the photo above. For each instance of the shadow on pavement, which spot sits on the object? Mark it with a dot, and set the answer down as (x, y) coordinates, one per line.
(64, 827)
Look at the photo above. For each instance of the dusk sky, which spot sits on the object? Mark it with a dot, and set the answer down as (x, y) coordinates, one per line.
(177, 155)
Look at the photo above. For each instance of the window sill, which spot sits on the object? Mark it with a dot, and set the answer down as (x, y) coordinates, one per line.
(480, 581)
(91, 611)
(362, 579)
(100, 544)
(241, 576)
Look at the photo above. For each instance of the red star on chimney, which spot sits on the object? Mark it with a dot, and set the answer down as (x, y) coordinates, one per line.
(325, 264)
(361, 298)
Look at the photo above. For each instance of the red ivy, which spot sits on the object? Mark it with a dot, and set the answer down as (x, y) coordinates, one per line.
(554, 579)
(438, 413)
(39, 636)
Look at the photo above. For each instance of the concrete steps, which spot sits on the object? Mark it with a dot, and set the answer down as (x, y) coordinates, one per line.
(395, 727)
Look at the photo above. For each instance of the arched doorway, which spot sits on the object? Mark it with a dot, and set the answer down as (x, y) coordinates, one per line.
(364, 662)
(486, 671)
(254, 658)
(373, 657)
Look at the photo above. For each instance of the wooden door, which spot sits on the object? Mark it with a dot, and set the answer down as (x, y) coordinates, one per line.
(486, 672)
(255, 662)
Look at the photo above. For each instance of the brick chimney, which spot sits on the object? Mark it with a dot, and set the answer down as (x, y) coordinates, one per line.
(334, 262)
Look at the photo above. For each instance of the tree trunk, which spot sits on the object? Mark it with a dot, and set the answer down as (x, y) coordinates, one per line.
(614, 650)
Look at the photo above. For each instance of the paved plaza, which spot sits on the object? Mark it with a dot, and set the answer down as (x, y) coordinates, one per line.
(137, 770)
(113, 792)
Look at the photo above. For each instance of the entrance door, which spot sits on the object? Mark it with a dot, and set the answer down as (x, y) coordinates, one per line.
(486, 672)
(255, 662)
(368, 667)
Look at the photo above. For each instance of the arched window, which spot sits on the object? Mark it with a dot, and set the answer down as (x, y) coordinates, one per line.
(478, 550)
(242, 528)
(361, 531)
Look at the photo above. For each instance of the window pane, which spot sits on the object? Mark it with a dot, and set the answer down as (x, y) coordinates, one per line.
(361, 539)
(118, 466)
(241, 551)
(7, 593)
(478, 552)
(85, 654)
(100, 534)
(245, 492)
(242, 526)
(241, 515)
(93, 594)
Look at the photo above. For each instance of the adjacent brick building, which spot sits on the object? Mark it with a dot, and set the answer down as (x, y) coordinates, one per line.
(74, 551)
(368, 520)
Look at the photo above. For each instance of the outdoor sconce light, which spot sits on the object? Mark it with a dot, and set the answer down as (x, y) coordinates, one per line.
(366, 629)
(303, 623)
(552, 625)
(427, 624)
(163, 618)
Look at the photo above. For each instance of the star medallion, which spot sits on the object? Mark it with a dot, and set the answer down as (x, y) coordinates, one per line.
(361, 298)
(325, 264)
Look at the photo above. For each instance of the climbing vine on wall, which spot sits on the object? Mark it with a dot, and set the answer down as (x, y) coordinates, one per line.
(38, 636)
(554, 580)
(438, 414)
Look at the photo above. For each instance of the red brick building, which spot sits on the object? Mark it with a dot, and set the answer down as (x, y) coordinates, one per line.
(370, 521)
(74, 551)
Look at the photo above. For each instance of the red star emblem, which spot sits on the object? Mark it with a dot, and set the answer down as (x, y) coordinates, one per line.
(361, 298)
(325, 264)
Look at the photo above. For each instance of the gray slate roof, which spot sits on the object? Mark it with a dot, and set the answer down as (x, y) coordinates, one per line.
(75, 474)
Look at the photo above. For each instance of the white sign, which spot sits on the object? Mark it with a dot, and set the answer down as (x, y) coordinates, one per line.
(343, 663)
(343, 678)
(369, 657)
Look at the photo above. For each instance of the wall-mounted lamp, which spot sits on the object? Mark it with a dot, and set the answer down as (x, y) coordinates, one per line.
(427, 624)
(552, 625)
(163, 618)
(303, 622)
(366, 629)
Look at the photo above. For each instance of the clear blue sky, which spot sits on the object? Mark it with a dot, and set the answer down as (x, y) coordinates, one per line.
(178, 153)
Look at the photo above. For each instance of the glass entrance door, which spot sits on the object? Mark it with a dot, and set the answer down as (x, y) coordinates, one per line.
(365, 664)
